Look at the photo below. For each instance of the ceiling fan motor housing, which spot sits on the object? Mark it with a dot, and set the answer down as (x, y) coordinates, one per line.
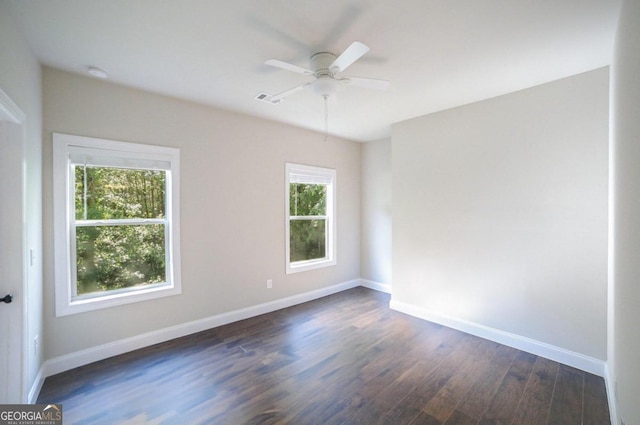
(325, 85)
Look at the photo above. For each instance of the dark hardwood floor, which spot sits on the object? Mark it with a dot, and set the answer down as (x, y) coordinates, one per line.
(343, 359)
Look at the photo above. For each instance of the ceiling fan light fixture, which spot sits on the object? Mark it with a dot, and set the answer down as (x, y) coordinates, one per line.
(325, 86)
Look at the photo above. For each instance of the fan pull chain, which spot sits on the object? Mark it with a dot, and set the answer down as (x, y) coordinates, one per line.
(326, 118)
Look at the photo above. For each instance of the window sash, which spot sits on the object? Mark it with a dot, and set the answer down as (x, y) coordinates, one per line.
(302, 174)
(72, 188)
(85, 157)
(108, 294)
(73, 151)
(327, 251)
(114, 223)
(120, 222)
(327, 187)
(309, 217)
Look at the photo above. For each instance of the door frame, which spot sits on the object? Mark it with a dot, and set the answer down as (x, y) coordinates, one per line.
(11, 113)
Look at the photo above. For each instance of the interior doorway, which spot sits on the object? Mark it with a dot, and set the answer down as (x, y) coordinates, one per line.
(12, 253)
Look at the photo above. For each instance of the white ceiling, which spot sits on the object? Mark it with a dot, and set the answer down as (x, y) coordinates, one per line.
(436, 53)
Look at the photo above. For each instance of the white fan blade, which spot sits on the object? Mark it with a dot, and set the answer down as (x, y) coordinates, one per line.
(289, 92)
(367, 83)
(288, 67)
(349, 56)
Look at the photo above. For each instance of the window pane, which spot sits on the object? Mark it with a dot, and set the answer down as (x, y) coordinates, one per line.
(307, 199)
(307, 240)
(116, 257)
(116, 193)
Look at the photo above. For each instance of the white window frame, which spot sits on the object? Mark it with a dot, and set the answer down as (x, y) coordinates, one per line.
(311, 174)
(65, 147)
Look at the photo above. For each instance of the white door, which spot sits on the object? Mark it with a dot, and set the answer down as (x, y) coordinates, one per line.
(11, 256)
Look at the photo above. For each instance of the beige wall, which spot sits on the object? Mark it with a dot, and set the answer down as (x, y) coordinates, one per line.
(376, 211)
(232, 204)
(500, 213)
(20, 80)
(624, 343)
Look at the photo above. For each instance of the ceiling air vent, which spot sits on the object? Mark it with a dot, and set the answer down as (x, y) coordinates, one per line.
(264, 97)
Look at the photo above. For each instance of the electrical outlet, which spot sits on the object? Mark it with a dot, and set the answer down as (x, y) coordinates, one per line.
(269, 283)
(36, 344)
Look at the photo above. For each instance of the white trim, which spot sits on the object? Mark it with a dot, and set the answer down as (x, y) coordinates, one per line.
(558, 354)
(38, 382)
(101, 352)
(94, 354)
(376, 286)
(64, 147)
(11, 112)
(610, 385)
(315, 175)
(609, 377)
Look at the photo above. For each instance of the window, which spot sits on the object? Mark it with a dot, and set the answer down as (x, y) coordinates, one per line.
(310, 226)
(116, 223)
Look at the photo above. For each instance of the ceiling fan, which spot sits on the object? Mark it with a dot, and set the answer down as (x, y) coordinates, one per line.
(326, 69)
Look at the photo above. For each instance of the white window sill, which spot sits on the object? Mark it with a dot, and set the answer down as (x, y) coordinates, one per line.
(303, 266)
(111, 300)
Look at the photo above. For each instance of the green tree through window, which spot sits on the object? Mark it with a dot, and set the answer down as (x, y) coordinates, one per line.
(120, 228)
(307, 209)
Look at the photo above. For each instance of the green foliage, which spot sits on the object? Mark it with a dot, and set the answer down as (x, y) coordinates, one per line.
(110, 257)
(307, 240)
(115, 193)
(307, 199)
(307, 237)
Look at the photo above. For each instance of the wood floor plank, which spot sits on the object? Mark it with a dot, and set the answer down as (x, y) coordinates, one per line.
(425, 419)
(341, 360)
(401, 373)
(485, 388)
(410, 406)
(453, 392)
(502, 409)
(596, 409)
(536, 400)
(566, 406)
(430, 352)
(460, 418)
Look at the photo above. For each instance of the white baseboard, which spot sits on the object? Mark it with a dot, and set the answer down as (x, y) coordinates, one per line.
(36, 387)
(376, 286)
(101, 352)
(610, 384)
(542, 349)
